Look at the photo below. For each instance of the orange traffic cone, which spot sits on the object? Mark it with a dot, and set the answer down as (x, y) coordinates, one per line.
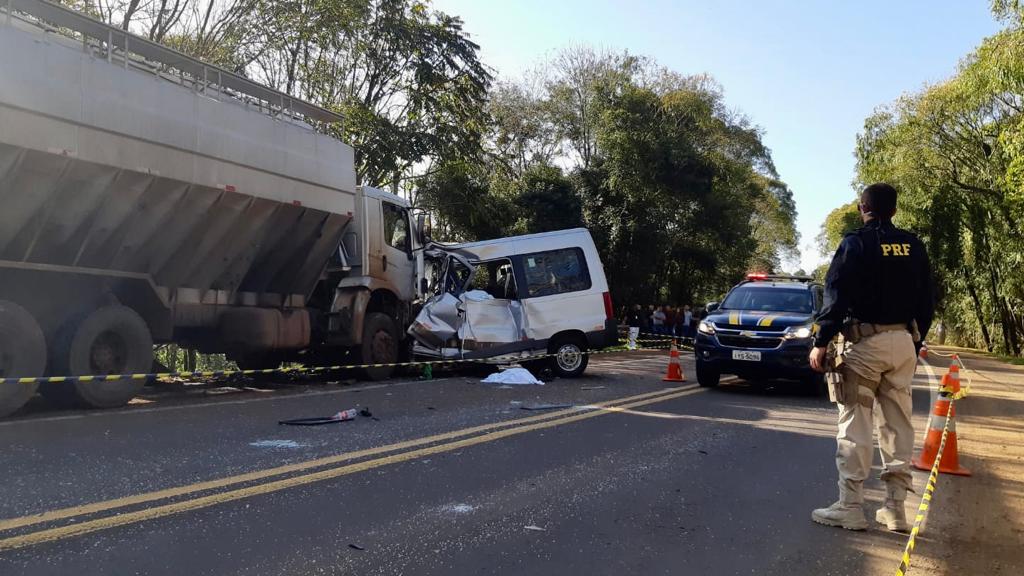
(950, 462)
(675, 369)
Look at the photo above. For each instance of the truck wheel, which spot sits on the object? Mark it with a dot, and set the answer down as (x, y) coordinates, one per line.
(110, 340)
(22, 354)
(570, 357)
(707, 377)
(380, 346)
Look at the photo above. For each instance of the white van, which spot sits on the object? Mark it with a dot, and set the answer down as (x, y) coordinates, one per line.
(513, 299)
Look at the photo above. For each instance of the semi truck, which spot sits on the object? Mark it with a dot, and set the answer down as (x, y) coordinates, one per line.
(149, 197)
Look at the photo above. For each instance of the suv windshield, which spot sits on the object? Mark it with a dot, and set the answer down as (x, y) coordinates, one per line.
(769, 299)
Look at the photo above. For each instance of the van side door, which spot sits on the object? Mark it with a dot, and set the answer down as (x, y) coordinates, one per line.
(555, 289)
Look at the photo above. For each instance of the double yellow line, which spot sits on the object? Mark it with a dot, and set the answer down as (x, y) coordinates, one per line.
(310, 472)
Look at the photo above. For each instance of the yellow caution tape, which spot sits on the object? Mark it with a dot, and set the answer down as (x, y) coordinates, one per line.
(287, 371)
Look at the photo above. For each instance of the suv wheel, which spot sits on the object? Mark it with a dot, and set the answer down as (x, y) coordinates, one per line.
(707, 376)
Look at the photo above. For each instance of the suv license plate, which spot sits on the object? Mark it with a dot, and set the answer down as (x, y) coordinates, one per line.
(746, 355)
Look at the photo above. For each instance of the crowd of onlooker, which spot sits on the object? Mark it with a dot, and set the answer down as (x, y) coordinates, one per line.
(679, 321)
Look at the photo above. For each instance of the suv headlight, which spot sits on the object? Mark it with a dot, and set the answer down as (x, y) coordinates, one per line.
(796, 332)
(706, 327)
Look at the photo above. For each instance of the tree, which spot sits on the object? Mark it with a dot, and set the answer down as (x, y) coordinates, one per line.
(956, 151)
(837, 224)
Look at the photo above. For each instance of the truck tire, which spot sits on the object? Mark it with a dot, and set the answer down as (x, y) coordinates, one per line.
(379, 346)
(22, 354)
(109, 340)
(707, 377)
(570, 356)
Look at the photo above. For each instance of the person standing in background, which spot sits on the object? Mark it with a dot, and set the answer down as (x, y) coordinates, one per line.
(687, 321)
(658, 320)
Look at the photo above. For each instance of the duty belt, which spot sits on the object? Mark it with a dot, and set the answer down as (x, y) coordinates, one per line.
(856, 331)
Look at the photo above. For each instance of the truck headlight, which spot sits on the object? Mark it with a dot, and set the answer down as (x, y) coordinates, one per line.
(706, 327)
(798, 332)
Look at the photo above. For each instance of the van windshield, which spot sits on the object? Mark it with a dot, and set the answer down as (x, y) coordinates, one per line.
(769, 299)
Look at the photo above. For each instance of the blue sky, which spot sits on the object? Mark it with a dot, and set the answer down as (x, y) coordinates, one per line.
(807, 73)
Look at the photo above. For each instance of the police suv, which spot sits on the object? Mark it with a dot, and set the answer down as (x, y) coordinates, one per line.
(764, 328)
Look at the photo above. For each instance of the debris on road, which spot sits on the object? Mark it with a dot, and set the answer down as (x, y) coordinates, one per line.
(276, 444)
(365, 413)
(356, 547)
(512, 376)
(343, 416)
(592, 387)
(546, 406)
(533, 528)
(221, 390)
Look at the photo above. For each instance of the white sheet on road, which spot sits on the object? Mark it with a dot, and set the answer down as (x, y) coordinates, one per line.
(512, 376)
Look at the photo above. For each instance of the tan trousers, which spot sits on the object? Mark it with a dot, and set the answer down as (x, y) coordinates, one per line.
(878, 368)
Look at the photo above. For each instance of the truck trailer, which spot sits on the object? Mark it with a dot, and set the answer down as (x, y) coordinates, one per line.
(148, 197)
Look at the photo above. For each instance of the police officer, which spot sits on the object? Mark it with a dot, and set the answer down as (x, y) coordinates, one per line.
(878, 293)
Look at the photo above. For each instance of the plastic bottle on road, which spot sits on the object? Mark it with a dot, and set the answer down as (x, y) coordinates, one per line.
(349, 414)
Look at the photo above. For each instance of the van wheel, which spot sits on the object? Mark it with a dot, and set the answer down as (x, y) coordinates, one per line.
(380, 346)
(707, 377)
(570, 357)
(109, 340)
(22, 354)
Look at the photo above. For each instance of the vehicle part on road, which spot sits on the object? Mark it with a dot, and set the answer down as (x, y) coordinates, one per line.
(112, 339)
(22, 353)
(570, 356)
(675, 369)
(707, 376)
(380, 346)
(546, 406)
(512, 376)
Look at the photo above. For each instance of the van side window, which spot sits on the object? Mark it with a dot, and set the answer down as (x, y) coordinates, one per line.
(555, 272)
(396, 226)
(495, 278)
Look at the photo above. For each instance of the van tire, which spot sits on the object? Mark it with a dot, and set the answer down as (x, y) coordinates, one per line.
(707, 377)
(22, 354)
(379, 346)
(109, 340)
(570, 356)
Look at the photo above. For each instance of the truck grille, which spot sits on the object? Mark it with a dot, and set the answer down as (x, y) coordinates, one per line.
(746, 342)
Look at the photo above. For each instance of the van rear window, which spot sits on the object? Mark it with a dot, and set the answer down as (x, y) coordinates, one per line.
(555, 272)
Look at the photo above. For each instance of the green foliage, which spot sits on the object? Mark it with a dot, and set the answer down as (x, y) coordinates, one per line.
(844, 219)
(680, 195)
(956, 152)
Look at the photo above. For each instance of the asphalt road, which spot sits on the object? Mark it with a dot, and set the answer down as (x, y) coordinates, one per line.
(640, 476)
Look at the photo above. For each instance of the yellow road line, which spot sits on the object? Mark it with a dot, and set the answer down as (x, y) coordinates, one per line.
(72, 530)
(177, 491)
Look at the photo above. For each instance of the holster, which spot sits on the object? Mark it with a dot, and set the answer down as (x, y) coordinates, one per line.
(834, 375)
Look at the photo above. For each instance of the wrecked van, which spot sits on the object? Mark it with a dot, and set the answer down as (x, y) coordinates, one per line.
(516, 299)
